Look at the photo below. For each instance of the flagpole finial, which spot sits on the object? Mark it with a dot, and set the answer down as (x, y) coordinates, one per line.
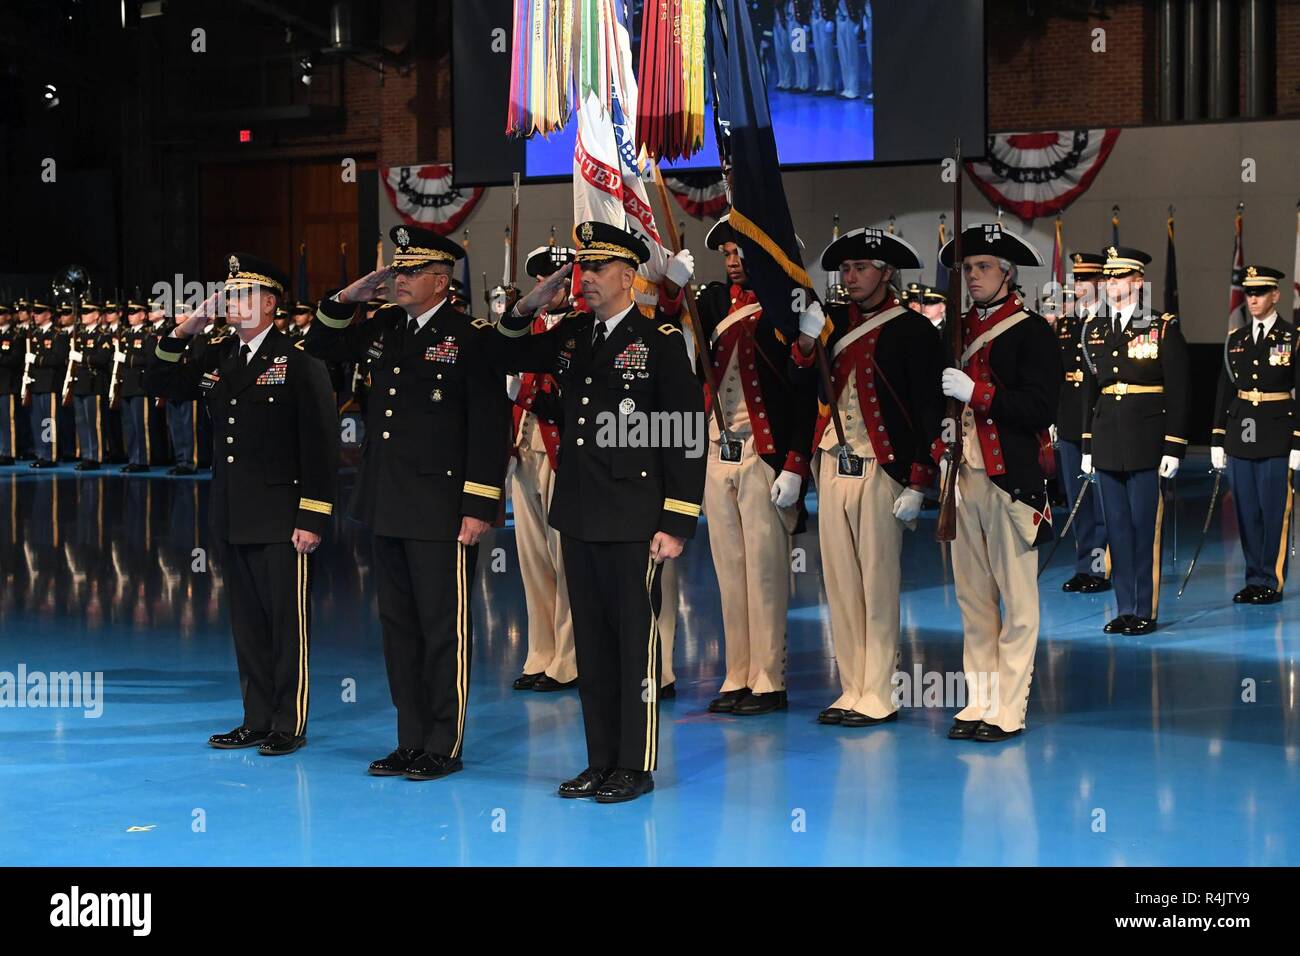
(1241, 208)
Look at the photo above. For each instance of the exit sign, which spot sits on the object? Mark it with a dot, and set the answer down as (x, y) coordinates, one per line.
(245, 135)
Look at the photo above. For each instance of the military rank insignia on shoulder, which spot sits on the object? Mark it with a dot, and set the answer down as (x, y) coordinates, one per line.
(668, 328)
(480, 323)
(300, 345)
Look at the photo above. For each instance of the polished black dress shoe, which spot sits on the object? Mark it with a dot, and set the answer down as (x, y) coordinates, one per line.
(623, 785)
(1266, 595)
(1076, 583)
(280, 744)
(182, 470)
(992, 733)
(585, 784)
(831, 715)
(1094, 585)
(526, 681)
(42, 463)
(1118, 625)
(1246, 595)
(1140, 625)
(855, 719)
(963, 729)
(395, 764)
(547, 684)
(6, 460)
(668, 691)
(87, 466)
(239, 738)
(432, 766)
(726, 702)
(133, 469)
(764, 703)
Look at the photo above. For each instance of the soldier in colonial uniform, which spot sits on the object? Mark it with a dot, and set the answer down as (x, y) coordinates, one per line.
(1090, 553)
(755, 480)
(432, 468)
(1008, 383)
(1256, 438)
(622, 504)
(1134, 432)
(886, 361)
(273, 482)
(46, 359)
(551, 663)
(136, 346)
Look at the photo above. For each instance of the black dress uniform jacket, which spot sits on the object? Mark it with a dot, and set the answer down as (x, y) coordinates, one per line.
(1132, 431)
(138, 342)
(91, 375)
(609, 494)
(1268, 366)
(51, 350)
(13, 349)
(437, 422)
(1069, 413)
(276, 437)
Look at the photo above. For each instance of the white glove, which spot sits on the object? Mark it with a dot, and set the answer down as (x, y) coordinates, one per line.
(1293, 462)
(680, 268)
(957, 384)
(29, 358)
(1051, 430)
(119, 357)
(1219, 458)
(1085, 464)
(813, 321)
(74, 355)
(1168, 466)
(907, 506)
(943, 473)
(513, 384)
(785, 489)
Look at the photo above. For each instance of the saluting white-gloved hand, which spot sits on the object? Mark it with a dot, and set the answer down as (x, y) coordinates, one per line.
(513, 384)
(957, 384)
(1293, 462)
(680, 268)
(812, 321)
(1085, 464)
(1219, 458)
(1168, 466)
(785, 489)
(907, 506)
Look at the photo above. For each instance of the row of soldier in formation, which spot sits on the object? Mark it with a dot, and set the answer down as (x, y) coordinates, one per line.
(597, 523)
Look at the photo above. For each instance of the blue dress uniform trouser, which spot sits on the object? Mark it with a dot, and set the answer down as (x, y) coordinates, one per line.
(44, 416)
(1134, 512)
(425, 596)
(8, 426)
(181, 424)
(614, 595)
(135, 428)
(92, 426)
(67, 418)
(1262, 497)
(1089, 526)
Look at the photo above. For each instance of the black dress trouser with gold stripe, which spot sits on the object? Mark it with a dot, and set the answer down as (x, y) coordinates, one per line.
(614, 597)
(270, 615)
(424, 591)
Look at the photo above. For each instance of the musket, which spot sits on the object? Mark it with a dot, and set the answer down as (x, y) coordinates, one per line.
(72, 365)
(946, 528)
(1078, 500)
(1205, 529)
(514, 235)
(119, 357)
(26, 391)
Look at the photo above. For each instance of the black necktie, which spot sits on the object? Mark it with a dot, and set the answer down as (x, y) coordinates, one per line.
(599, 339)
(1115, 323)
(412, 326)
(244, 353)
(1259, 331)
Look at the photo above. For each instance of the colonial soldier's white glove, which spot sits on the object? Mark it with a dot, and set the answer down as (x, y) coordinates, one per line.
(957, 384)
(1085, 464)
(680, 268)
(1293, 462)
(812, 321)
(907, 506)
(513, 384)
(1168, 466)
(785, 489)
(1219, 458)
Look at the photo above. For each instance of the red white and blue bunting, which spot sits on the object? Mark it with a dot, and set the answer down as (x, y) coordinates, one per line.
(424, 196)
(702, 195)
(1039, 174)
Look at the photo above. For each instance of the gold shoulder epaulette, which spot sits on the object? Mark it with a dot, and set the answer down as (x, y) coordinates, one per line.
(668, 328)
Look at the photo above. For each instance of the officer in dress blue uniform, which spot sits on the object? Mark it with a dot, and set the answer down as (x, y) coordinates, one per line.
(1090, 555)
(46, 359)
(136, 345)
(92, 358)
(13, 346)
(1256, 437)
(1135, 431)
(622, 505)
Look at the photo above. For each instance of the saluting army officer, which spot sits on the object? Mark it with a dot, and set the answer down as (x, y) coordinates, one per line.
(754, 484)
(622, 506)
(886, 360)
(1256, 436)
(1134, 431)
(432, 468)
(273, 481)
(1008, 383)
(1090, 560)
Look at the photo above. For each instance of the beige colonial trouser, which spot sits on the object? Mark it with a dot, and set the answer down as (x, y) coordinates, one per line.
(861, 547)
(550, 625)
(992, 560)
(751, 555)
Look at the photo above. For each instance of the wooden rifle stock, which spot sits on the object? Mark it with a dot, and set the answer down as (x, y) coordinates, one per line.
(946, 529)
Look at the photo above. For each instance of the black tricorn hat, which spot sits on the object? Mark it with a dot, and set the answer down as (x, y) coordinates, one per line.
(991, 239)
(548, 260)
(870, 243)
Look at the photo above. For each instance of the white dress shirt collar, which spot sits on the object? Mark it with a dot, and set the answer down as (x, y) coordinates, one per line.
(256, 342)
(612, 323)
(1267, 322)
(423, 318)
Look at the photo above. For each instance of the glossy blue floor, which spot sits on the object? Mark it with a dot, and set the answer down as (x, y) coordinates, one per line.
(1139, 750)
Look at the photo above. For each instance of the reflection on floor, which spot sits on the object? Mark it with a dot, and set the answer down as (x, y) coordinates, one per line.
(1140, 750)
